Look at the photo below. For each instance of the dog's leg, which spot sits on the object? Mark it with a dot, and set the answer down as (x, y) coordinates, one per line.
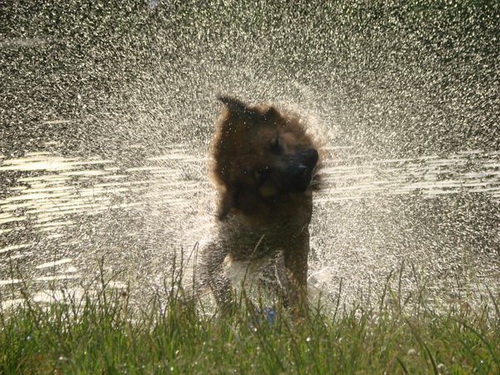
(296, 265)
(214, 276)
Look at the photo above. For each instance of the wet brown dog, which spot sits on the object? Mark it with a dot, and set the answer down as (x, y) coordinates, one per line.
(265, 168)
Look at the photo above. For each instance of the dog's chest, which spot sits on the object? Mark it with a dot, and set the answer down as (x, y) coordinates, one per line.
(244, 243)
(262, 274)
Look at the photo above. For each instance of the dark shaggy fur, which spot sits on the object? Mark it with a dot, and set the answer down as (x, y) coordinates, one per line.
(265, 168)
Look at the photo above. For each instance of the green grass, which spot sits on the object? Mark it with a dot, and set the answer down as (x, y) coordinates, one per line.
(100, 332)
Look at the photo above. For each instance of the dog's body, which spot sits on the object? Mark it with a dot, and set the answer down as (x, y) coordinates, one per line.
(265, 168)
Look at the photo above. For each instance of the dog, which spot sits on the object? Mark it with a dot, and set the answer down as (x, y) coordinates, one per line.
(265, 168)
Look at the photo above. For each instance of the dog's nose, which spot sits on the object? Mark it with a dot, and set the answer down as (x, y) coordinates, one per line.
(301, 169)
(306, 161)
(310, 158)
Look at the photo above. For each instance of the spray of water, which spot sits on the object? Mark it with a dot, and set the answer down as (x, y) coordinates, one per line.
(107, 111)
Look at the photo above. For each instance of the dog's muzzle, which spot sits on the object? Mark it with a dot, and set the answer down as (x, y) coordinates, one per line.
(299, 171)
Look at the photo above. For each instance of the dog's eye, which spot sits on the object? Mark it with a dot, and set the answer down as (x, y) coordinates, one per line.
(276, 147)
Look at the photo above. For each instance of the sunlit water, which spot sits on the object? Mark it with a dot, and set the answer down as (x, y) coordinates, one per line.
(104, 139)
(63, 217)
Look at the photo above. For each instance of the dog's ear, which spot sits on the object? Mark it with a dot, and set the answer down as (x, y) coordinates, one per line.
(236, 107)
(270, 114)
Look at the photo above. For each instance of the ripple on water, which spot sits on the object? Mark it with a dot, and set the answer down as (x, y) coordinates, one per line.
(59, 215)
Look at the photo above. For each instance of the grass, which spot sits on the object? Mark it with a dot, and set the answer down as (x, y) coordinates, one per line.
(100, 332)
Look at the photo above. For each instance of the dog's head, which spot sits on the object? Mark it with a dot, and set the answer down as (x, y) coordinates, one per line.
(262, 156)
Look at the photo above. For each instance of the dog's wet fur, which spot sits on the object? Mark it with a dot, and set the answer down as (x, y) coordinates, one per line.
(265, 167)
